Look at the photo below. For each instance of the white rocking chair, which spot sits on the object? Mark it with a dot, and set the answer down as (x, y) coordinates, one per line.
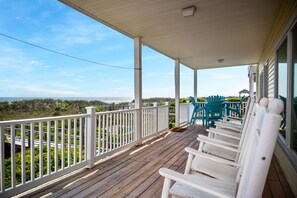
(251, 175)
(216, 143)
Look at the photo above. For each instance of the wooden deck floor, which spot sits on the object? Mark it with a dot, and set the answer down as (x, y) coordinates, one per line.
(135, 172)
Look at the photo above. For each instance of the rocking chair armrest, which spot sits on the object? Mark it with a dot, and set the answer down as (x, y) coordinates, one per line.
(228, 134)
(205, 138)
(218, 144)
(233, 118)
(231, 124)
(228, 127)
(189, 180)
(211, 157)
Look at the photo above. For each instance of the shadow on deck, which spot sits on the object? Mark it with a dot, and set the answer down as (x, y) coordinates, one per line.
(135, 172)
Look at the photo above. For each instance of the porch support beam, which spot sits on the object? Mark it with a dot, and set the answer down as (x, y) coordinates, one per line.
(177, 92)
(195, 84)
(138, 88)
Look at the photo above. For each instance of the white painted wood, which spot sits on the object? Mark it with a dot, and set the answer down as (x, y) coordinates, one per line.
(75, 141)
(80, 139)
(103, 134)
(138, 87)
(90, 153)
(110, 132)
(117, 131)
(32, 151)
(121, 130)
(69, 142)
(24, 121)
(63, 144)
(23, 153)
(156, 118)
(2, 167)
(56, 146)
(166, 186)
(48, 129)
(265, 150)
(118, 127)
(199, 40)
(12, 154)
(177, 92)
(40, 128)
(99, 140)
(252, 172)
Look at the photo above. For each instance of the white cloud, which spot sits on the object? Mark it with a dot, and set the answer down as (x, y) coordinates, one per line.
(76, 30)
(38, 90)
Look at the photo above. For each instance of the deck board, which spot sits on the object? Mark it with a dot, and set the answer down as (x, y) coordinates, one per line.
(134, 173)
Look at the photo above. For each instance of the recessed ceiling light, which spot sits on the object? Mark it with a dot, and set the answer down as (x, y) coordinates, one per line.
(220, 60)
(189, 11)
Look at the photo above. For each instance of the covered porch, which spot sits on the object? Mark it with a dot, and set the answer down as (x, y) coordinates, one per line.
(222, 34)
(134, 173)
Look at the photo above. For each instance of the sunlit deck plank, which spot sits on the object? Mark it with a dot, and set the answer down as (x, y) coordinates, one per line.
(135, 173)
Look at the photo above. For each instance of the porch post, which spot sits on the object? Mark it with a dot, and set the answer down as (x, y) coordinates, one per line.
(177, 92)
(252, 76)
(138, 88)
(195, 84)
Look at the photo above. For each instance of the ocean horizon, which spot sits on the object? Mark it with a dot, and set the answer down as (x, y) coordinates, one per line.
(103, 99)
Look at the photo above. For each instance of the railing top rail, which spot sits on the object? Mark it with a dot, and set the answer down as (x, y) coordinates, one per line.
(149, 107)
(163, 106)
(42, 119)
(116, 111)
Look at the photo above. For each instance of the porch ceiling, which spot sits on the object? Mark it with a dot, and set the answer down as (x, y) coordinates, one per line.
(233, 30)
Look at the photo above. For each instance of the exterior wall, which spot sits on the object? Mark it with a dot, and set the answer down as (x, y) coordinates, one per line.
(284, 21)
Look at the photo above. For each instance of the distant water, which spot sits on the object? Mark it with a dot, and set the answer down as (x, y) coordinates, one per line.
(103, 99)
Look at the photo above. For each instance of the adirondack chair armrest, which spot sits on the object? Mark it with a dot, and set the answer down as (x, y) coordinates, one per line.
(189, 180)
(211, 157)
(233, 135)
(217, 143)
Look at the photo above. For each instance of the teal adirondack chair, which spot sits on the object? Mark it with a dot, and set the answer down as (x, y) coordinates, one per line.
(235, 109)
(198, 112)
(214, 108)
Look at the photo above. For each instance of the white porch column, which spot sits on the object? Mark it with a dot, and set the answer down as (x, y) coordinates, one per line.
(138, 88)
(195, 84)
(252, 76)
(177, 92)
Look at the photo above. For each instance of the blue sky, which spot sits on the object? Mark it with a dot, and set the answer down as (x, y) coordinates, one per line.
(26, 71)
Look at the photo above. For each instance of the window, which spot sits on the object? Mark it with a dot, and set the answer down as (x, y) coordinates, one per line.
(294, 105)
(282, 67)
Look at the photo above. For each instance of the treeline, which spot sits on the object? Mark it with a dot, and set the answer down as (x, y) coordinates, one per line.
(44, 108)
(36, 108)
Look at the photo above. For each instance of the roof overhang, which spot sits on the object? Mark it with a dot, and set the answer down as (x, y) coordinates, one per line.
(233, 30)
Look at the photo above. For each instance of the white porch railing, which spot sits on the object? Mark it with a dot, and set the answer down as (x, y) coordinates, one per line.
(186, 111)
(54, 146)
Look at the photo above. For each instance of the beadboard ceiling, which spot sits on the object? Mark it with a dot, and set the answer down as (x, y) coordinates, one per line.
(233, 30)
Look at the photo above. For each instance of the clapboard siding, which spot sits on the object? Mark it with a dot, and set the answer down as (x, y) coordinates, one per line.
(271, 76)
